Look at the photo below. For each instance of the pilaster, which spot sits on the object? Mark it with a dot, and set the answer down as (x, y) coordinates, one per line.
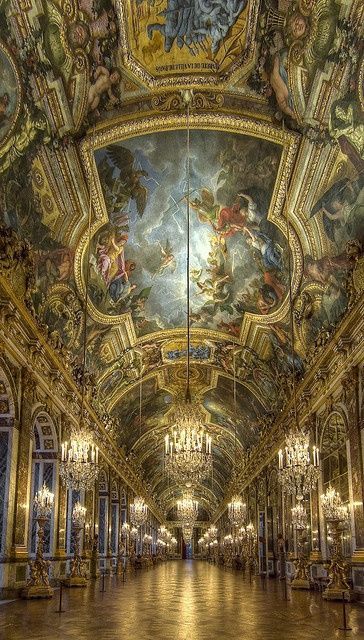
(19, 548)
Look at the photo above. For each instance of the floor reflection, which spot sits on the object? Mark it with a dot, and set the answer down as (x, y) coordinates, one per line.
(182, 600)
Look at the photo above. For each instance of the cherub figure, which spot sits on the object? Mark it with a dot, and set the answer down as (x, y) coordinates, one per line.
(104, 81)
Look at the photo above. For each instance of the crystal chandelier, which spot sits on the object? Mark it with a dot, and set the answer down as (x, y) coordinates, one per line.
(79, 515)
(188, 453)
(133, 533)
(164, 535)
(236, 511)
(250, 531)
(298, 470)
(299, 517)
(332, 506)
(43, 502)
(79, 461)
(138, 512)
(187, 509)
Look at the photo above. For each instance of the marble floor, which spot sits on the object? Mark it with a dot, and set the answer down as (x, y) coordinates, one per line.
(181, 600)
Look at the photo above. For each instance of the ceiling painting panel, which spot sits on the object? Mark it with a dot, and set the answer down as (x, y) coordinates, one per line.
(176, 40)
(238, 250)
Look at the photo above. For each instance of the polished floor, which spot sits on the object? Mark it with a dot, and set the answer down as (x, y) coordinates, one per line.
(181, 600)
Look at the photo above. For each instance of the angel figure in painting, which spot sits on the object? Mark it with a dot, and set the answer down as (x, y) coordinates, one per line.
(167, 259)
(271, 252)
(104, 81)
(238, 217)
(110, 256)
(275, 71)
(205, 206)
(215, 289)
(339, 206)
(129, 184)
(229, 220)
(347, 127)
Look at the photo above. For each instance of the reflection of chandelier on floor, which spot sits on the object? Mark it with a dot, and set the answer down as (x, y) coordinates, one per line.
(138, 512)
(187, 509)
(79, 457)
(188, 455)
(187, 452)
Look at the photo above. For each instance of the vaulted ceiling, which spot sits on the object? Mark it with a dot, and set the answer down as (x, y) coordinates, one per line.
(93, 109)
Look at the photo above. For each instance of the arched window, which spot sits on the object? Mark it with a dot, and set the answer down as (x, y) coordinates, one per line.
(334, 462)
(7, 415)
(44, 471)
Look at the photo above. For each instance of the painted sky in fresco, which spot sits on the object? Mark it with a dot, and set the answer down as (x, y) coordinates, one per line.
(237, 256)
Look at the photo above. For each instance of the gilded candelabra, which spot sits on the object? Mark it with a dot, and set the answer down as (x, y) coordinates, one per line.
(38, 584)
(336, 516)
(251, 547)
(302, 567)
(77, 577)
(123, 564)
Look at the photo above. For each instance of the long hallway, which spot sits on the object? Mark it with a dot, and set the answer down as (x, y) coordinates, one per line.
(180, 600)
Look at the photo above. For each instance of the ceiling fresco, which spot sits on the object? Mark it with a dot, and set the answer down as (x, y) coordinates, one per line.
(237, 254)
(93, 108)
(176, 39)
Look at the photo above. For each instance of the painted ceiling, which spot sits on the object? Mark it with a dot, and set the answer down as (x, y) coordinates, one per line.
(93, 109)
